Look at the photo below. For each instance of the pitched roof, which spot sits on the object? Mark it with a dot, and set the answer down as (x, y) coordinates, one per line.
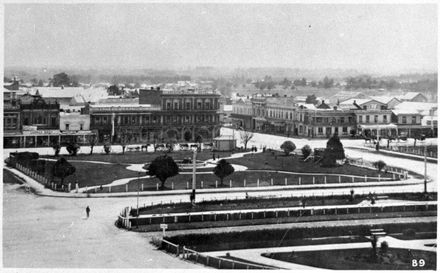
(383, 99)
(410, 95)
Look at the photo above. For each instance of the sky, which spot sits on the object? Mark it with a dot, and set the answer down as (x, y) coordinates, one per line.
(375, 37)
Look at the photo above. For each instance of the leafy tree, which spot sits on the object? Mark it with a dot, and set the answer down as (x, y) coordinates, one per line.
(124, 142)
(163, 167)
(384, 247)
(245, 137)
(62, 169)
(72, 148)
(199, 139)
(311, 99)
(379, 165)
(223, 169)
(61, 79)
(187, 136)
(40, 83)
(306, 151)
(114, 90)
(288, 147)
(92, 141)
(327, 83)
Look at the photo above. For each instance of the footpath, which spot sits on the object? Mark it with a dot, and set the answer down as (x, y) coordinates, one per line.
(395, 154)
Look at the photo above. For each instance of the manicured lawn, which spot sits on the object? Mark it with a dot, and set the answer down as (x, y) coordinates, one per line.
(359, 259)
(251, 203)
(142, 157)
(93, 174)
(278, 161)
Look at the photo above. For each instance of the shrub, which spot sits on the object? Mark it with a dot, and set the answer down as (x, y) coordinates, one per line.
(306, 151)
(384, 247)
(107, 148)
(379, 165)
(288, 147)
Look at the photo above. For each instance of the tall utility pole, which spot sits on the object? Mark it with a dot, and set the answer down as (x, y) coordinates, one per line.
(426, 190)
(137, 205)
(193, 193)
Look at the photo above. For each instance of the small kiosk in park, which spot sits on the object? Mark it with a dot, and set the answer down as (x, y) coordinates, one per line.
(225, 143)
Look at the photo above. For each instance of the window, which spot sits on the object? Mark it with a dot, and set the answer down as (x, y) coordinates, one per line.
(104, 120)
(319, 120)
(320, 131)
(147, 119)
(414, 120)
(188, 105)
(367, 119)
(168, 105)
(385, 118)
(344, 130)
(67, 126)
(207, 105)
(326, 120)
(376, 118)
(350, 119)
(176, 105)
(403, 119)
(360, 119)
(428, 122)
(187, 119)
(81, 126)
(199, 105)
(342, 119)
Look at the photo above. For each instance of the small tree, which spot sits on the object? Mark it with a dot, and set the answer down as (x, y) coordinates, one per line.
(123, 142)
(288, 147)
(163, 167)
(384, 247)
(92, 141)
(245, 137)
(107, 148)
(56, 147)
(306, 151)
(223, 169)
(72, 148)
(333, 152)
(380, 165)
(62, 169)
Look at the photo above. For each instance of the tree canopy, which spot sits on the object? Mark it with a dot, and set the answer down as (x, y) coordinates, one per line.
(62, 169)
(163, 167)
(288, 147)
(333, 152)
(223, 169)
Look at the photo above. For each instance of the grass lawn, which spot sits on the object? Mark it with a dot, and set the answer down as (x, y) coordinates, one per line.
(278, 161)
(359, 259)
(141, 157)
(93, 174)
(251, 203)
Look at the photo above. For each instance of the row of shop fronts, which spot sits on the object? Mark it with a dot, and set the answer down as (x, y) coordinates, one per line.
(45, 138)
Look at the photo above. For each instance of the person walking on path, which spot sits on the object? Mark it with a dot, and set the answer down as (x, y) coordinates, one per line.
(88, 211)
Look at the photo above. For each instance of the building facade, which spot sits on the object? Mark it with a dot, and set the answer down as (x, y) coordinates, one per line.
(159, 116)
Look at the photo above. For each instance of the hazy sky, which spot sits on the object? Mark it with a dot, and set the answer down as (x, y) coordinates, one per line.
(377, 38)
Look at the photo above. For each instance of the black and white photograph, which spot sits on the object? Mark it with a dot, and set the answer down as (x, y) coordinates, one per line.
(217, 135)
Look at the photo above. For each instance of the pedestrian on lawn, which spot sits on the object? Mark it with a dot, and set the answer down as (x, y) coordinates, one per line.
(88, 211)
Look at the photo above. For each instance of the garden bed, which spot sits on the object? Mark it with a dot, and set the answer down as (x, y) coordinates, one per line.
(359, 259)
(284, 237)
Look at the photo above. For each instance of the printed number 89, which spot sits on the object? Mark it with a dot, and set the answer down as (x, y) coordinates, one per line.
(418, 263)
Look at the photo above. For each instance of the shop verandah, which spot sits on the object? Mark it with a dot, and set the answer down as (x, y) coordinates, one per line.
(45, 138)
(378, 130)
